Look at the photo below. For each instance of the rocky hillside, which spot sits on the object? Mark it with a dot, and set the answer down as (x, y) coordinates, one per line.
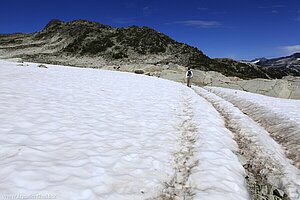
(289, 65)
(84, 43)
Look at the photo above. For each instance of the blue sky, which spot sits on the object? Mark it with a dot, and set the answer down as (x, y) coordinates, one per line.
(241, 29)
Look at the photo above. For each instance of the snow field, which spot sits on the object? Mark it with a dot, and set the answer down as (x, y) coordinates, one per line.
(94, 134)
(85, 134)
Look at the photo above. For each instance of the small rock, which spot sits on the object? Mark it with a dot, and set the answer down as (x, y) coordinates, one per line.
(42, 66)
(22, 65)
(264, 190)
(242, 159)
(178, 187)
(278, 193)
(139, 71)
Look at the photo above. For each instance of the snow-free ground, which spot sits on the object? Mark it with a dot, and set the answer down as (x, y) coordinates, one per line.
(73, 133)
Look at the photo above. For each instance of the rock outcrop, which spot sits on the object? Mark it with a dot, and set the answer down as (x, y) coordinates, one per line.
(91, 44)
(287, 87)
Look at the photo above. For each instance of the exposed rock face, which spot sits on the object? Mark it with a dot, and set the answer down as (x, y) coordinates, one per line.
(91, 44)
(287, 87)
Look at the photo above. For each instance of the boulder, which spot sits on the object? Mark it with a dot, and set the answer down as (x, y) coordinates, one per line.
(139, 71)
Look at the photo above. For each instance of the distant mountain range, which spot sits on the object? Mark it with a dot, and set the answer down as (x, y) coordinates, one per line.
(85, 43)
(289, 64)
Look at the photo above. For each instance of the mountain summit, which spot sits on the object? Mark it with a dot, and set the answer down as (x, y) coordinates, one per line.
(85, 43)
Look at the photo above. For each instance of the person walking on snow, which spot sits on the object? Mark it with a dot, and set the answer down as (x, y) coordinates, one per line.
(189, 76)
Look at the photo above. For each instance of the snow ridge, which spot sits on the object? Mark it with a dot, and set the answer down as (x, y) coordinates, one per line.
(275, 123)
(265, 155)
(219, 175)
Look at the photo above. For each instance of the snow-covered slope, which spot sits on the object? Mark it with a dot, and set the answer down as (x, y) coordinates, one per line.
(74, 133)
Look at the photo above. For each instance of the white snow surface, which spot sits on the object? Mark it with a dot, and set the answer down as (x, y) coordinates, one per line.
(280, 117)
(285, 107)
(93, 134)
(219, 175)
(266, 149)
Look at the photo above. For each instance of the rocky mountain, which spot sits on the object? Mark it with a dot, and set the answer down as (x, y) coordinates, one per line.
(85, 43)
(256, 60)
(289, 65)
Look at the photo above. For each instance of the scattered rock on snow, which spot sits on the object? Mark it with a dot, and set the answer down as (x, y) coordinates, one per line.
(22, 65)
(42, 66)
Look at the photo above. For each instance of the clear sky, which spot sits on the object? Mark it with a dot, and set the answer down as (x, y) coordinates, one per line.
(239, 29)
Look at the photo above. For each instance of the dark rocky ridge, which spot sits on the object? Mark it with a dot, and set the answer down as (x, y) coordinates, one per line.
(118, 46)
(289, 64)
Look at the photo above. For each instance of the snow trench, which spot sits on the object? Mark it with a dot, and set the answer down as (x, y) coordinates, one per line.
(283, 129)
(179, 186)
(205, 165)
(263, 155)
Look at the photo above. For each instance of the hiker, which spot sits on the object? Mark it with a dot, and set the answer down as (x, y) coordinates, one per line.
(189, 76)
